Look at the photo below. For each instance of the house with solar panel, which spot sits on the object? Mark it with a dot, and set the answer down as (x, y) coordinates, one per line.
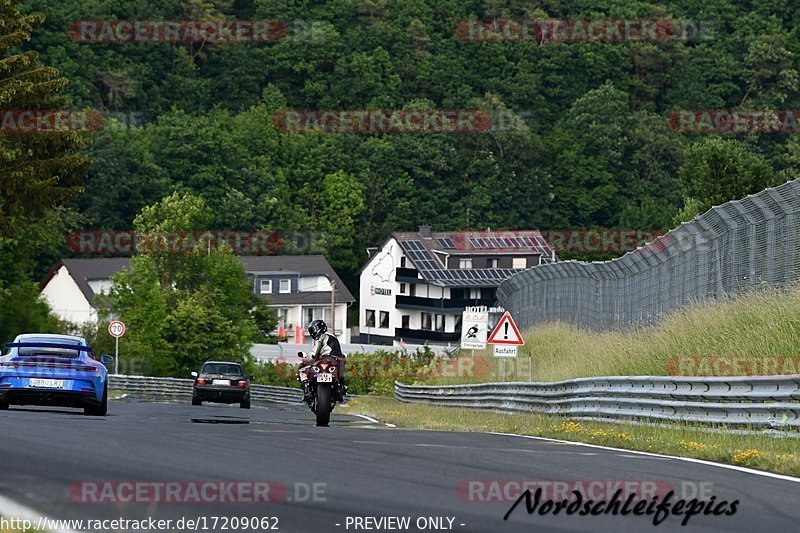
(415, 286)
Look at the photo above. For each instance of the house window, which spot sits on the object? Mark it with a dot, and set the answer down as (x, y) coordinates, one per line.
(384, 319)
(317, 313)
(370, 320)
(403, 262)
(406, 321)
(282, 315)
(465, 263)
(492, 263)
(402, 288)
(285, 286)
(439, 322)
(474, 293)
(265, 287)
(426, 321)
(520, 262)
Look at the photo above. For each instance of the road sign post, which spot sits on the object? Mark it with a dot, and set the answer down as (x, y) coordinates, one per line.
(117, 330)
(506, 339)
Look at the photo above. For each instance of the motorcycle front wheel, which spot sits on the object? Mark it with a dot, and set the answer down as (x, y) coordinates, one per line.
(323, 411)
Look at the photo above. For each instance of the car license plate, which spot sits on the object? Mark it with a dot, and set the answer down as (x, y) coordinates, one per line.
(220, 382)
(325, 378)
(47, 383)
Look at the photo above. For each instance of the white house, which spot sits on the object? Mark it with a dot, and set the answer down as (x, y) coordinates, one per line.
(415, 286)
(299, 288)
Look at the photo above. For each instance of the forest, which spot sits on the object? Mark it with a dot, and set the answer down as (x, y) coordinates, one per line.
(580, 134)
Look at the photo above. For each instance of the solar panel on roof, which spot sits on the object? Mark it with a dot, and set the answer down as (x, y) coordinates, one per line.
(477, 277)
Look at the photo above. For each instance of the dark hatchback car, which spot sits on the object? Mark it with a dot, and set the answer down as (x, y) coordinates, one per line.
(221, 382)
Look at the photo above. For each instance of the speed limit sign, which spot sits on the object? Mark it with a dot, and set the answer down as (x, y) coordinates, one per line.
(116, 329)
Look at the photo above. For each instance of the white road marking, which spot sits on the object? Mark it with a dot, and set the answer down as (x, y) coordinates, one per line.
(368, 419)
(659, 455)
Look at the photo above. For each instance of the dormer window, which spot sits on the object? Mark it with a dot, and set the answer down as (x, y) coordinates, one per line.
(265, 287)
(465, 263)
(285, 286)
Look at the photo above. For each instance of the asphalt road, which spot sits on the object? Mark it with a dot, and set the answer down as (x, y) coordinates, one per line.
(360, 469)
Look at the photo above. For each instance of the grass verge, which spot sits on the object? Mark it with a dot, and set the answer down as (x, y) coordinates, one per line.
(763, 452)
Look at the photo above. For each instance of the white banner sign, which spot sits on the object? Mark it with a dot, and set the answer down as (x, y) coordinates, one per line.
(473, 330)
(505, 351)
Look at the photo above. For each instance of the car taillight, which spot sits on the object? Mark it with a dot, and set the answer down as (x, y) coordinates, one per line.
(242, 383)
(201, 381)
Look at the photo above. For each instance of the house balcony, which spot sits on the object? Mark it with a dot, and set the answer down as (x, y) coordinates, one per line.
(410, 335)
(406, 275)
(440, 305)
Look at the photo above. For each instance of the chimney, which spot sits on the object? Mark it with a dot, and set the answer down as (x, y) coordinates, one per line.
(425, 231)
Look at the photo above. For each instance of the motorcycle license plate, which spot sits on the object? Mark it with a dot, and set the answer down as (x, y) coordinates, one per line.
(325, 378)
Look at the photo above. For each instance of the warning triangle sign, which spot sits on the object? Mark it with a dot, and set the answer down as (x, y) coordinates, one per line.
(506, 332)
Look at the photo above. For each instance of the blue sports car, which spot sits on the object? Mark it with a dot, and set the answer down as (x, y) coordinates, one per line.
(58, 370)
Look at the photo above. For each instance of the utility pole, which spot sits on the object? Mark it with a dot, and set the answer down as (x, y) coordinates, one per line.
(333, 306)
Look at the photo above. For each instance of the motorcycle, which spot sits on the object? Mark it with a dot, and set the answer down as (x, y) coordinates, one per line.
(327, 389)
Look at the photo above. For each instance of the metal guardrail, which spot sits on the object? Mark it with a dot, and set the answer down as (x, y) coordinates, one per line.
(766, 402)
(172, 387)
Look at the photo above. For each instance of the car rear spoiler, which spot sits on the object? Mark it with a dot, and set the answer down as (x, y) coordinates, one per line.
(78, 347)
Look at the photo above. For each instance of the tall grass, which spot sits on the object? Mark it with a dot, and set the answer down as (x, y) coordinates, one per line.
(749, 327)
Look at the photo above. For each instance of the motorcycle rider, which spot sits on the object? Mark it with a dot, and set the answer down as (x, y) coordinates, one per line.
(324, 344)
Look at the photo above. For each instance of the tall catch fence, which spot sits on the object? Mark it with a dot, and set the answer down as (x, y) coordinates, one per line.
(741, 246)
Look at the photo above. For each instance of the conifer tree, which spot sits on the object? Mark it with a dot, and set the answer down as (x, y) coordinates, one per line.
(38, 170)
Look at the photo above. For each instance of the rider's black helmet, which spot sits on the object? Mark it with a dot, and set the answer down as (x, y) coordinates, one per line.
(316, 329)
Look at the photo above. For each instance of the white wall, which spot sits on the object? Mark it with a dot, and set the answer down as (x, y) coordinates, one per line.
(100, 285)
(314, 283)
(379, 273)
(66, 299)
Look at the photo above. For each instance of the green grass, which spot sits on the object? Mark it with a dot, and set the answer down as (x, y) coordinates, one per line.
(747, 328)
(762, 452)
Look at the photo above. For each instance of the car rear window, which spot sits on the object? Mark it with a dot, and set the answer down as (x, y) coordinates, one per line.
(55, 352)
(222, 368)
